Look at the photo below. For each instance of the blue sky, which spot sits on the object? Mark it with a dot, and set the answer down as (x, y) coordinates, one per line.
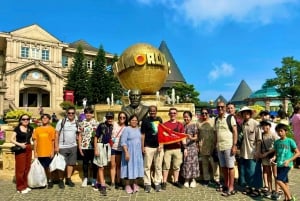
(216, 43)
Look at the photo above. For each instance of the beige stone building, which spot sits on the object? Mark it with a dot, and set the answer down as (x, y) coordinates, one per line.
(34, 66)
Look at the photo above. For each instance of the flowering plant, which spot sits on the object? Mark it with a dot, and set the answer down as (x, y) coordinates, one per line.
(16, 114)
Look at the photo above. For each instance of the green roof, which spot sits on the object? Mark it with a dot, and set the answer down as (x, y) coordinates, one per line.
(265, 92)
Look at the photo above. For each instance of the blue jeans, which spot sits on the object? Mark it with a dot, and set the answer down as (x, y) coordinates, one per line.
(250, 173)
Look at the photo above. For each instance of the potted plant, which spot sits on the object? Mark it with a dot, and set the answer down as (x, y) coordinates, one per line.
(12, 117)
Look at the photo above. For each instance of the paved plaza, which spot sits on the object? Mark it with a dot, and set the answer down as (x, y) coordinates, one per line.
(8, 193)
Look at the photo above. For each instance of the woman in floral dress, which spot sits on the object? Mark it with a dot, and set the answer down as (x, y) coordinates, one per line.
(190, 169)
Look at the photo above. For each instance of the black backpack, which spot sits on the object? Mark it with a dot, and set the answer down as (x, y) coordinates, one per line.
(238, 127)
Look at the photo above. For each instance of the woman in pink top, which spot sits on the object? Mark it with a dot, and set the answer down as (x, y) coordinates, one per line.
(295, 120)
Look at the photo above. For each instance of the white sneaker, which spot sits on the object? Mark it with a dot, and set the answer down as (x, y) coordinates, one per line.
(84, 182)
(23, 191)
(28, 189)
(186, 184)
(193, 184)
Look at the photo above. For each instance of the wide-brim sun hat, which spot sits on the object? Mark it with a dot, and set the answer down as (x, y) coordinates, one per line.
(245, 108)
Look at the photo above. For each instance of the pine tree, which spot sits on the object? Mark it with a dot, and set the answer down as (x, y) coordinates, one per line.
(78, 77)
(98, 80)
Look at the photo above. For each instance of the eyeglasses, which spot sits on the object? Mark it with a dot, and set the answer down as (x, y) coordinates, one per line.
(204, 113)
(220, 107)
(122, 117)
(71, 113)
(25, 119)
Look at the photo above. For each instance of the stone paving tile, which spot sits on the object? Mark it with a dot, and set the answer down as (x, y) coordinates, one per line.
(8, 193)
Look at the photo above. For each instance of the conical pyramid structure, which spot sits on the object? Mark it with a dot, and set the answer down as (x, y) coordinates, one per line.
(220, 99)
(175, 76)
(242, 92)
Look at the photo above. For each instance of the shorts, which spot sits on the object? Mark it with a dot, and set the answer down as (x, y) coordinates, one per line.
(282, 174)
(174, 156)
(226, 159)
(45, 161)
(116, 152)
(70, 155)
(266, 162)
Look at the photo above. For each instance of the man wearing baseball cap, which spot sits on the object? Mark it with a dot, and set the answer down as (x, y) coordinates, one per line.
(103, 148)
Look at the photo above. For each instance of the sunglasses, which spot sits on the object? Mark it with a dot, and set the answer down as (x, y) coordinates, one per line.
(122, 117)
(204, 113)
(220, 107)
(25, 119)
(71, 112)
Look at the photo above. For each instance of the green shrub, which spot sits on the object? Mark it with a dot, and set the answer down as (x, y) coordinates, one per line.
(66, 104)
(16, 114)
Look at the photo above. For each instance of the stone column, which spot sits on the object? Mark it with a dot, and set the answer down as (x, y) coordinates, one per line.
(267, 103)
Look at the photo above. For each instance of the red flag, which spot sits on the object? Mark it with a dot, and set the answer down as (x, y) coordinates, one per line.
(168, 136)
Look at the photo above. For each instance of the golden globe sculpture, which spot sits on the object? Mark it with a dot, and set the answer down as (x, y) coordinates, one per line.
(142, 67)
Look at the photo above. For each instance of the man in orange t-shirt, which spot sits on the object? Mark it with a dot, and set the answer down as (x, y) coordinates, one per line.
(44, 138)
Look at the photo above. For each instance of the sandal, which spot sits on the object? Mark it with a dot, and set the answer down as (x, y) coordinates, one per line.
(228, 193)
(265, 189)
(219, 188)
(247, 191)
(255, 193)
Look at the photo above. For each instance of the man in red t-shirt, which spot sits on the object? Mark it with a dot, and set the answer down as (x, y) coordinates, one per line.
(172, 152)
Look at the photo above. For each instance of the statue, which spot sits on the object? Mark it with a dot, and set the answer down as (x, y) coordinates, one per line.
(135, 106)
(84, 101)
(108, 101)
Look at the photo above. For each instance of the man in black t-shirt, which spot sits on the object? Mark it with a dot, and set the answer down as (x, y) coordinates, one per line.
(151, 149)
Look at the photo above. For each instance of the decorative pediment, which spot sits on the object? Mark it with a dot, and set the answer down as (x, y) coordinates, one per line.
(35, 32)
(33, 65)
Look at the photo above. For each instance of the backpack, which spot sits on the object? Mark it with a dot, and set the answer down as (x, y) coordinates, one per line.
(240, 135)
(63, 121)
(228, 121)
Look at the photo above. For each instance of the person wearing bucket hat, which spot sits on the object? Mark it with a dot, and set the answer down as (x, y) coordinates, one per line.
(250, 165)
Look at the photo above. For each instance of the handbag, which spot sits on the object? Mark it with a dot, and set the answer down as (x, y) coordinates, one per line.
(16, 148)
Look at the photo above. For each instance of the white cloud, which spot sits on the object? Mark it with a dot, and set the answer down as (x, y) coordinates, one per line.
(223, 70)
(213, 12)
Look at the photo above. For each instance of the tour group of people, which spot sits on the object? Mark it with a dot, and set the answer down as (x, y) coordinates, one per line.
(129, 145)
